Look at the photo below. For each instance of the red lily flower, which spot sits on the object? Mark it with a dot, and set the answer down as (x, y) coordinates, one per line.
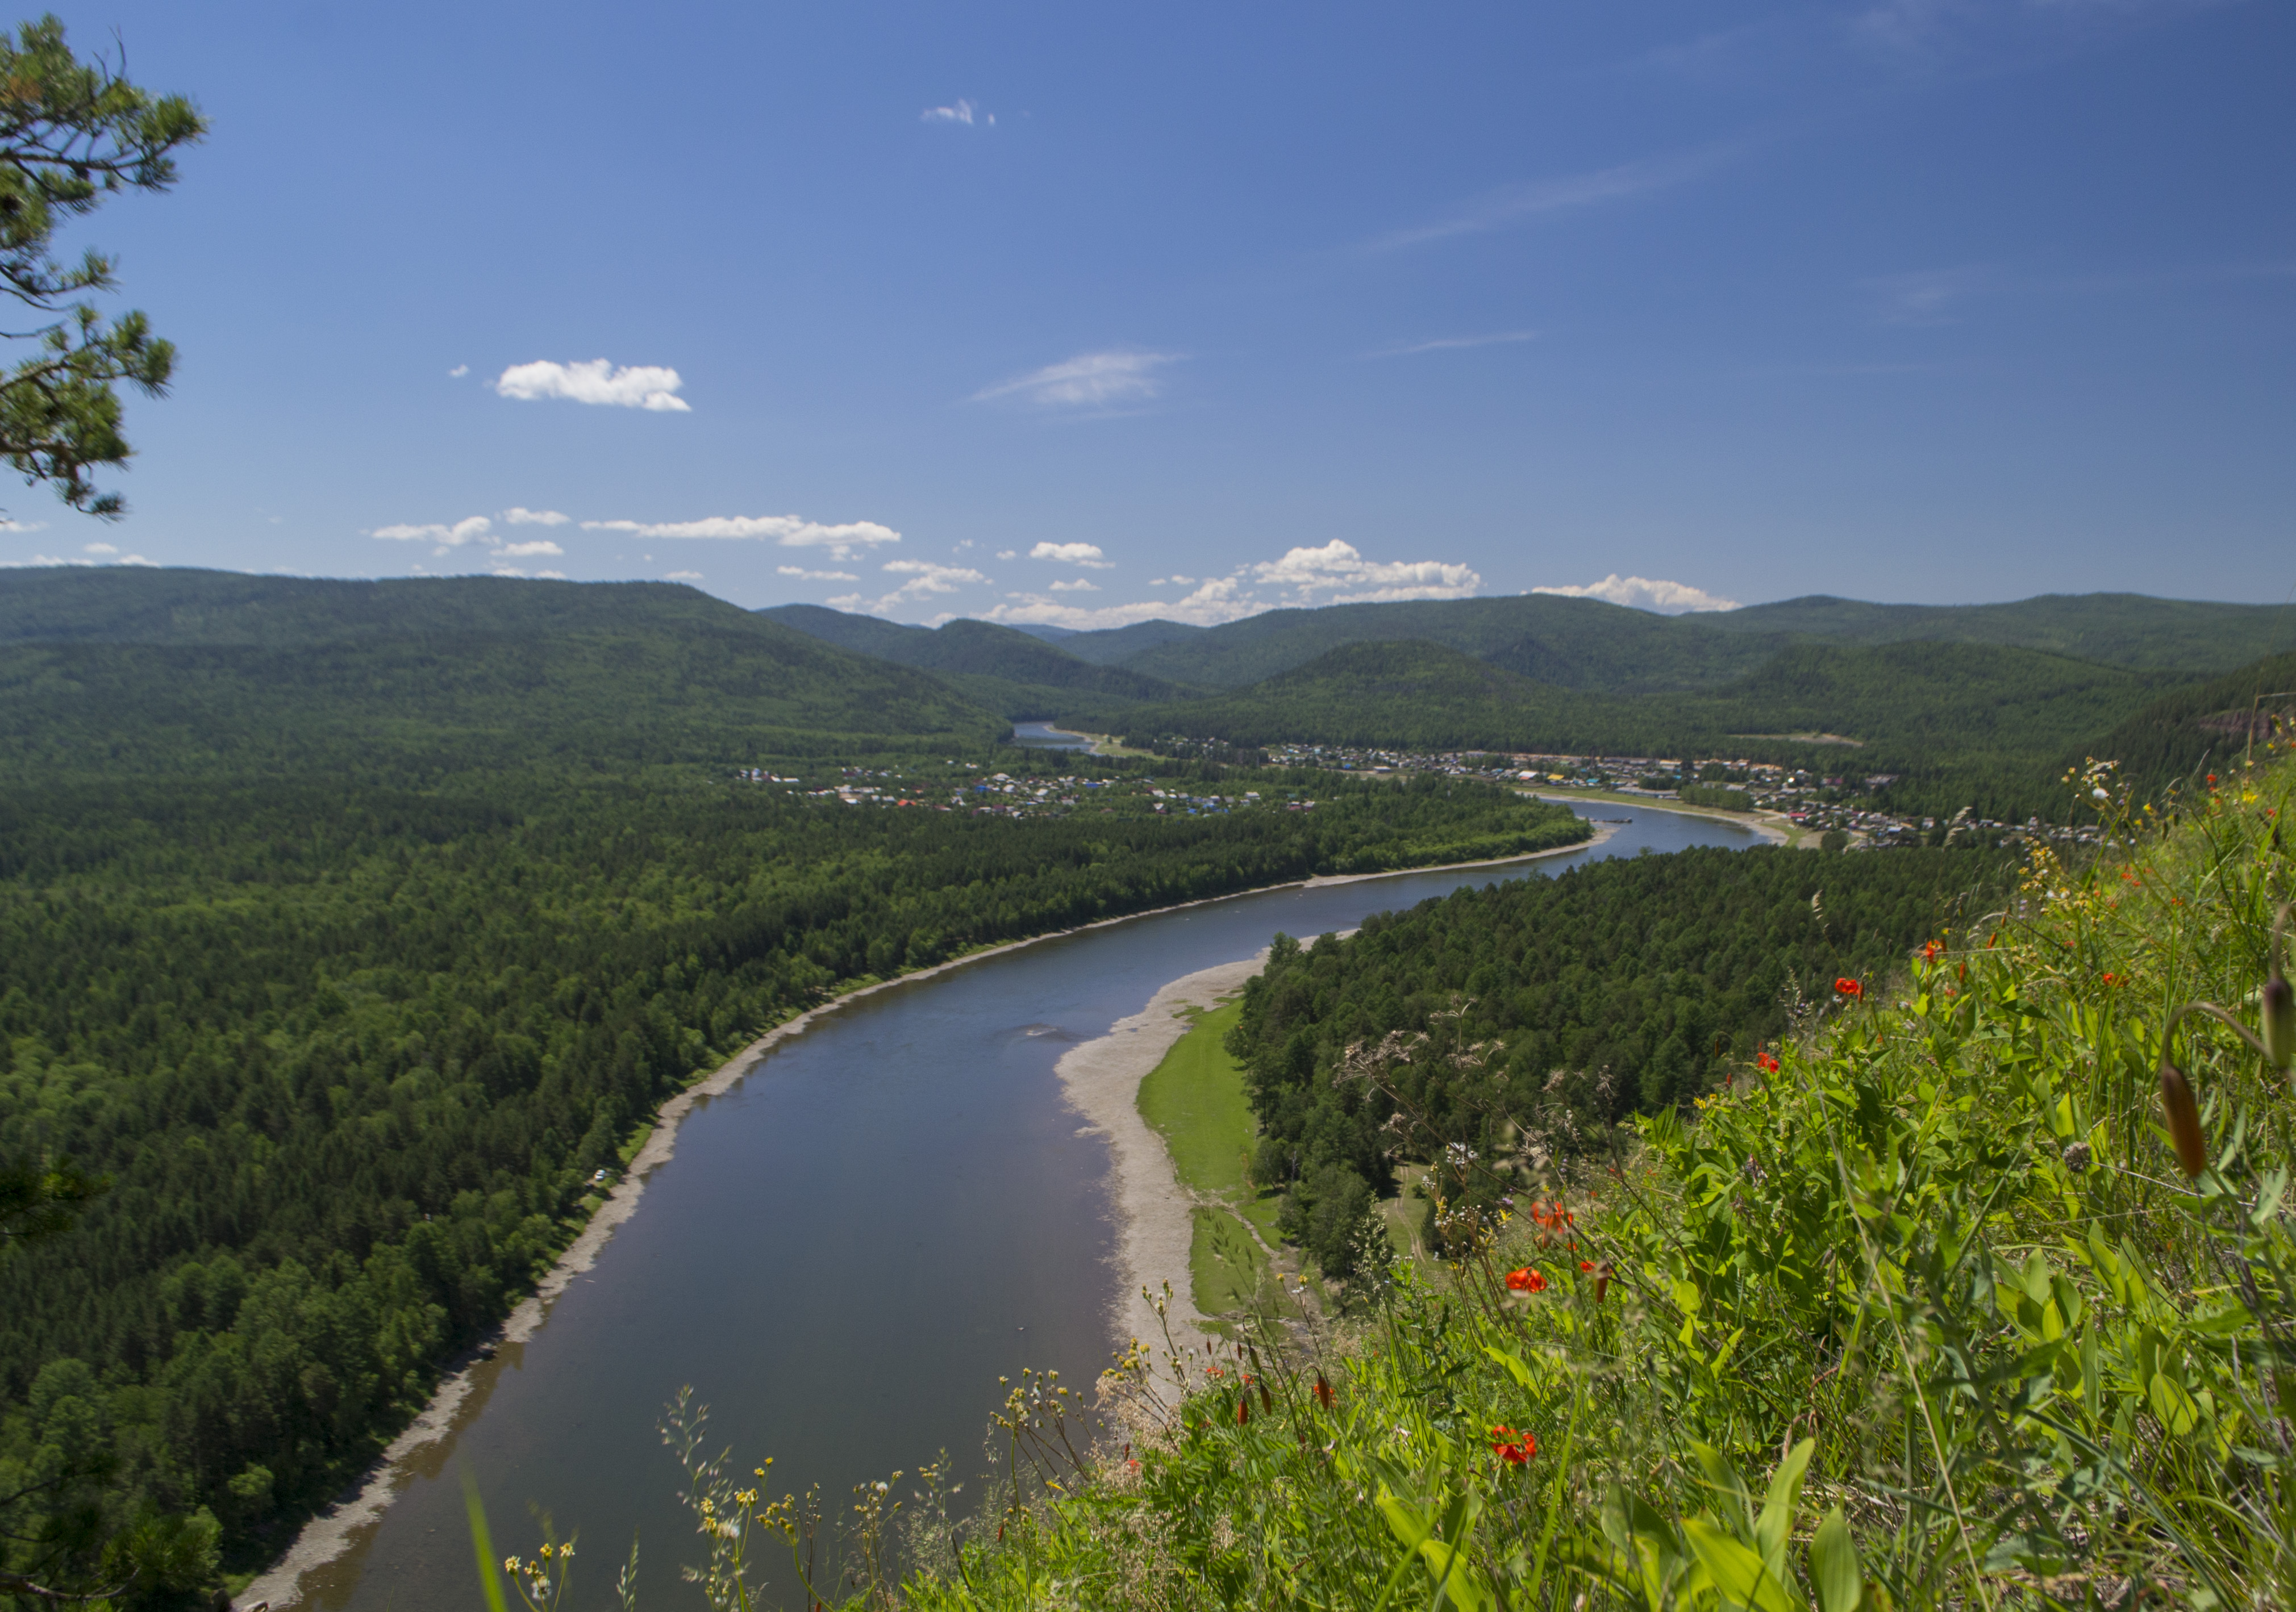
(1526, 1281)
(1849, 987)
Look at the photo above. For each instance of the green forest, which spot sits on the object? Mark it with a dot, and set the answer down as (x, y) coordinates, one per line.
(350, 1056)
(1569, 1005)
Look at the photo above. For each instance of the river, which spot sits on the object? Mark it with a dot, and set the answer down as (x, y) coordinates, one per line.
(848, 1250)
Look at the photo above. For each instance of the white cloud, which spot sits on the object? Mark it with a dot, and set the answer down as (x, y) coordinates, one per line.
(99, 548)
(525, 551)
(458, 371)
(1925, 296)
(1088, 380)
(800, 572)
(1520, 201)
(1647, 594)
(1082, 584)
(963, 112)
(1072, 554)
(42, 560)
(24, 525)
(1337, 574)
(477, 528)
(1008, 554)
(550, 575)
(1446, 344)
(790, 531)
(1221, 599)
(517, 515)
(683, 576)
(924, 578)
(635, 387)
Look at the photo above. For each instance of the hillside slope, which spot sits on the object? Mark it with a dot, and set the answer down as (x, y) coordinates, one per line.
(166, 671)
(2209, 724)
(1583, 644)
(1002, 667)
(2118, 629)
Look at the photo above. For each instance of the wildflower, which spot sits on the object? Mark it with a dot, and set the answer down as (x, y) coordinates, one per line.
(1930, 949)
(2077, 1157)
(1526, 1281)
(1512, 1447)
(2183, 1115)
(1766, 1063)
(1846, 986)
(1586, 1265)
(1323, 1394)
(2112, 979)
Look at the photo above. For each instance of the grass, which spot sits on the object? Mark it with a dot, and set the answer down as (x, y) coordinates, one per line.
(1194, 1100)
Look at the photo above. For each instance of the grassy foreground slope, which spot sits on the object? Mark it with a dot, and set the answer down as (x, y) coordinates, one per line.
(1928, 1315)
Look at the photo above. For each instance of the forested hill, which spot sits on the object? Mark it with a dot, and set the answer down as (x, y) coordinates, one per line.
(2209, 724)
(1588, 643)
(1008, 670)
(2118, 629)
(136, 671)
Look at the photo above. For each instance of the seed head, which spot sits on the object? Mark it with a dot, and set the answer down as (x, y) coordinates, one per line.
(2183, 1115)
(2279, 1021)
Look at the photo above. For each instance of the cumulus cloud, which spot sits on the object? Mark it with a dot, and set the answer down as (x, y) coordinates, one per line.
(516, 516)
(1082, 584)
(800, 572)
(1072, 554)
(963, 111)
(1217, 599)
(1088, 380)
(1008, 554)
(477, 528)
(528, 550)
(790, 531)
(1647, 594)
(1337, 573)
(458, 371)
(643, 386)
(924, 578)
(41, 560)
(24, 525)
(99, 548)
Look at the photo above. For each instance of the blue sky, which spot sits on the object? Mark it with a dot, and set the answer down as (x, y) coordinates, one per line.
(1085, 313)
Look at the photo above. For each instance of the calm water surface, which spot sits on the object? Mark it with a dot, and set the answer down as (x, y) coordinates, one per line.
(848, 1250)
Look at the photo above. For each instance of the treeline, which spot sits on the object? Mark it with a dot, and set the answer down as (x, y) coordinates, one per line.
(1619, 988)
(351, 1056)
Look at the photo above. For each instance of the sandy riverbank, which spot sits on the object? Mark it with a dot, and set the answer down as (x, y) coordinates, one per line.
(1103, 1079)
(1770, 825)
(334, 1533)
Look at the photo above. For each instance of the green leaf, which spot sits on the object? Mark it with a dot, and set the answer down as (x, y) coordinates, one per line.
(1776, 1521)
(1737, 1572)
(1834, 1566)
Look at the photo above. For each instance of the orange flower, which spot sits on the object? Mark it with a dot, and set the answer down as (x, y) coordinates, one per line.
(1586, 1265)
(1930, 949)
(1849, 987)
(1764, 1062)
(1512, 1447)
(1526, 1281)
